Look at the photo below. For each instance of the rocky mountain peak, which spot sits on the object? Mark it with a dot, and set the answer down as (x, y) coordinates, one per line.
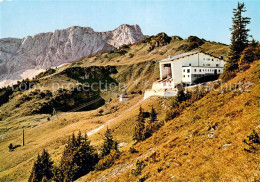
(49, 49)
(126, 34)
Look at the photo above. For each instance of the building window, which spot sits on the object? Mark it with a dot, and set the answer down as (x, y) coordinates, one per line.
(183, 76)
(218, 70)
(183, 70)
(216, 65)
(190, 64)
(212, 59)
(203, 64)
(167, 65)
(200, 70)
(188, 70)
(195, 70)
(188, 75)
(208, 59)
(208, 64)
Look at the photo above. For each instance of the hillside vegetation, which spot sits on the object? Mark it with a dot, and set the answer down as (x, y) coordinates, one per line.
(207, 142)
(136, 66)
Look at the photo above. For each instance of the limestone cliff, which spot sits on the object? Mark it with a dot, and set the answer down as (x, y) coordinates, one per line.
(44, 50)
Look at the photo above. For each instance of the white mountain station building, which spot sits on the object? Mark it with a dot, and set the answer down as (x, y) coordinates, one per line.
(184, 69)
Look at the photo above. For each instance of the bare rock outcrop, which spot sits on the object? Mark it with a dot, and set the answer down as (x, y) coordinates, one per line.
(45, 50)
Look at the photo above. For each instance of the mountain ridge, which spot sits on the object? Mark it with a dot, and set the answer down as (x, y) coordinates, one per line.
(49, 49)
(136, 65)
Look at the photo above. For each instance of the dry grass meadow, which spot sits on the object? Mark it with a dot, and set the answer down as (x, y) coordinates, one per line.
(180, 151)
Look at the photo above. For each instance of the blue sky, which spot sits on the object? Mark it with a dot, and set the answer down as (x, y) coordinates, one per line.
(208, 19)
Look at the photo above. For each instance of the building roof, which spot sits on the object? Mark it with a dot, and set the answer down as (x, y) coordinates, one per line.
(171, 58)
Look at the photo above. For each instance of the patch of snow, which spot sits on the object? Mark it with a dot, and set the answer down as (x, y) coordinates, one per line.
(30, 73)
(5, 83)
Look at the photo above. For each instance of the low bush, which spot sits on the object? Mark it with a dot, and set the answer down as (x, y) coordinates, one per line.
(108, 160)
(138, 169)
(131, 55)
(249, 54)
(193, 42)
(171, 114)
(132, 150)
(252, 141)
(227, 75)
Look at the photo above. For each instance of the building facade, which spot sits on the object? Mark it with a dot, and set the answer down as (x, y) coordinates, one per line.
(188, 67)
(184, 69)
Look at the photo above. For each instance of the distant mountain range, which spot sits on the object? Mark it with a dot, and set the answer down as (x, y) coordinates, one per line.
(23, 58)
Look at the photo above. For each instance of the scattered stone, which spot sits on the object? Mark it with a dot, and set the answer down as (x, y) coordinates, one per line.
(122, 144)
(210, 135)
(226, 145)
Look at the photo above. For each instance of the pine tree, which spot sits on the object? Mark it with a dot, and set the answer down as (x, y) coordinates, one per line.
(58, 174)
(181, 96)
(249, 54)
(239, 38)
(66, 160)
(78, 158)
(108, 144)
(42, 168)
(139, 132)
(36, 171)
(153, 116)
(151, 124)
(47, 165)
(85, 158)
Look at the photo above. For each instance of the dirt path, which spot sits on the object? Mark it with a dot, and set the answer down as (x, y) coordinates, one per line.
(91, 132)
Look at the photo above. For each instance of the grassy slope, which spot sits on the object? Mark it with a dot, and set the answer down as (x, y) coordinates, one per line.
(137, 72)
(141, 54)
(52, 135)
(182, 149)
